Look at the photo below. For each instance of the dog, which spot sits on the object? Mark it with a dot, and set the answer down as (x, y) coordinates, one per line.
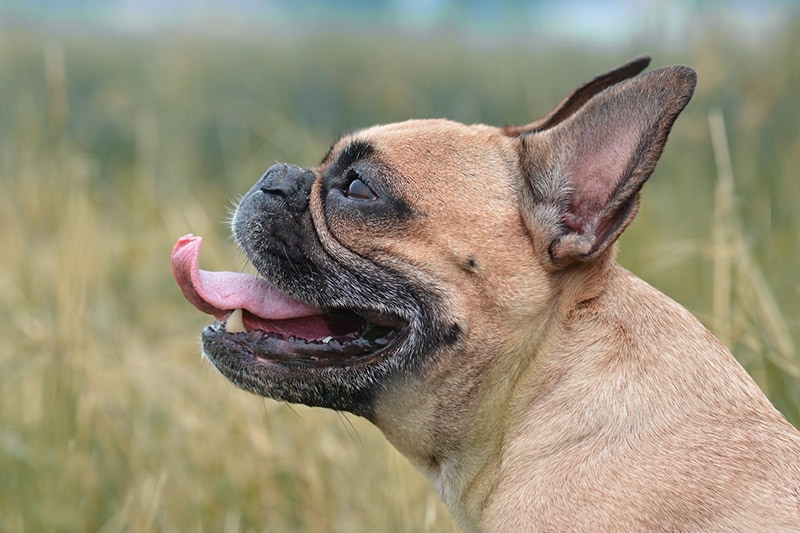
(457, 286)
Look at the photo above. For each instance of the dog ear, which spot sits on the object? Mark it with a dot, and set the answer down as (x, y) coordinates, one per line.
(585, 173)
(580, 96)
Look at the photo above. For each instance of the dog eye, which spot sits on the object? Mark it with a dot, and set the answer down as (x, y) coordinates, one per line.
(359, 190)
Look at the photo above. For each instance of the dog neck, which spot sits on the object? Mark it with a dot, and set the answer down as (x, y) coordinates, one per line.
(465, 456)
(589, 378)
(610, 374)
(528, 385)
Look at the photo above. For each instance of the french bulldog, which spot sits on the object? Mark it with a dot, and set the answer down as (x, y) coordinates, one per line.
(457, 286)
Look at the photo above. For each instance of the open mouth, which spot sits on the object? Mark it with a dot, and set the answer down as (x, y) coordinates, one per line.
(254, 318)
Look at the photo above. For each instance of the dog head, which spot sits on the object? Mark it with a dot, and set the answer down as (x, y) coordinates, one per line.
(418, 266)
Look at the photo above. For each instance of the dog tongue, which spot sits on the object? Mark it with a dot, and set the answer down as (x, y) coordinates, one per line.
(219, 293)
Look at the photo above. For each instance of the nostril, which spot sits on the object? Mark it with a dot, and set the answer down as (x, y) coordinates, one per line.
(285, 181)
(273, 189)
(274, 180)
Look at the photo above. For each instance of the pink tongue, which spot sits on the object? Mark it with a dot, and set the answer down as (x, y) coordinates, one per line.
(219, 293)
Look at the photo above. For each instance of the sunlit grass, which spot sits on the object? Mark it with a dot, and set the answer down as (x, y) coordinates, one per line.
(111, 150)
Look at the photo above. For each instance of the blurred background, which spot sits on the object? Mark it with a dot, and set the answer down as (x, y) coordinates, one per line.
(125, 124)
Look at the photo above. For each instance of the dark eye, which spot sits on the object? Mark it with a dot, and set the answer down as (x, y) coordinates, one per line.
(358, 190)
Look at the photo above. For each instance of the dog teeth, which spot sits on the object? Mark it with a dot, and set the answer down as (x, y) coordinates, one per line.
(327, 339)
(235, 324)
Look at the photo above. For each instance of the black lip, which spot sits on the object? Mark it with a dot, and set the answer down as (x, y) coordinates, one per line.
(370, 343)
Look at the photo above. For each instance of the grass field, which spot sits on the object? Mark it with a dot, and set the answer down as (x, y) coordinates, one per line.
(112, 148)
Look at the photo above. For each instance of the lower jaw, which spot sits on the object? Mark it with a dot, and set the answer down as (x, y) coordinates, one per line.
(273, 349)
(346, 385)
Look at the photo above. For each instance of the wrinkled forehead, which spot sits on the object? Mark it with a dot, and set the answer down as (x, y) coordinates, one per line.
(418, 146)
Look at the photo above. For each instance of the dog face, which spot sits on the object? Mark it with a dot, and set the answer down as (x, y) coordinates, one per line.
(418, 267)
(400, 245)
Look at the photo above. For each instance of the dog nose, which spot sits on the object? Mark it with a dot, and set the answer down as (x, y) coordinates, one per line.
(282, 180)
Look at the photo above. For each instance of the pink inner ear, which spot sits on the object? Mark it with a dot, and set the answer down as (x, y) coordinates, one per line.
(596, 175)
(600, 157)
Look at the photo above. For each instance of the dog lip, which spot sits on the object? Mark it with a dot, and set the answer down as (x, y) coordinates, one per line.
(381, 318)
(262, 347)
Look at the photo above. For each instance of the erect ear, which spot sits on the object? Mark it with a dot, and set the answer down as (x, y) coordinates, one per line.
(580, 96)
(585, 174)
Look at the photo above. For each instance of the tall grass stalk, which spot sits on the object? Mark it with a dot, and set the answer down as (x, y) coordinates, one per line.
(757, 321)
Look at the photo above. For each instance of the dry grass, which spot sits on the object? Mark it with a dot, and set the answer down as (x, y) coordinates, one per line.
(110, 421)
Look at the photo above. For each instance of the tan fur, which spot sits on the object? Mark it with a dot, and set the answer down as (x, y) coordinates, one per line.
(580, 398)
